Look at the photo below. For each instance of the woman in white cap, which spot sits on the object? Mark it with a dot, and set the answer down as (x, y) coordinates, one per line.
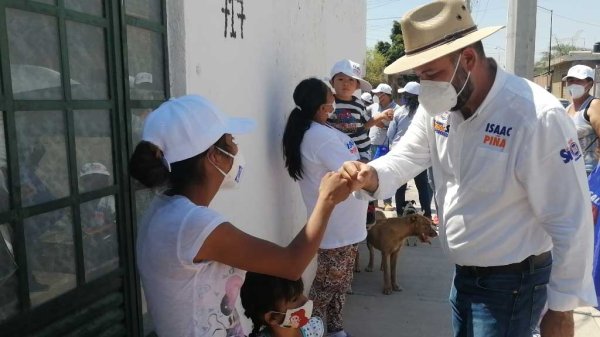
(584, 111)
(191, 259)
(397, 129)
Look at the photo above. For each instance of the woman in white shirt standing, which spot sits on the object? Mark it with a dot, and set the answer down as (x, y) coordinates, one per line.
(311, 149)
(191, 259)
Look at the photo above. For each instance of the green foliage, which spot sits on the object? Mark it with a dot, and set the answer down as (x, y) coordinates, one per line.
(375, 63)
(558, 50)
(395, 50)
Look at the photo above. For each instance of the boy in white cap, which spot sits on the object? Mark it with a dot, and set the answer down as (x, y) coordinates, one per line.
(350, 115)
(584, 111)
(499, 146)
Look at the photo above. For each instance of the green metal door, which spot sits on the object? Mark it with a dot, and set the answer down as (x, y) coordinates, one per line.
(77, 80)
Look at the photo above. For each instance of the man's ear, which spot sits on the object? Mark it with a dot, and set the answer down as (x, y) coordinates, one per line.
(469, 57)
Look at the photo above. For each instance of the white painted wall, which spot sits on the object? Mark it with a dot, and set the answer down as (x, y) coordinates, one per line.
(254, 76)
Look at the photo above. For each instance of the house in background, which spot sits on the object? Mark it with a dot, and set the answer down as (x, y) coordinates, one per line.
(559, 68)
(77, 79)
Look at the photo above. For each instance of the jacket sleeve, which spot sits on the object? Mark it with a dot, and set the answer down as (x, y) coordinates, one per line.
(391, 131)
(552, 171)
(407, 159)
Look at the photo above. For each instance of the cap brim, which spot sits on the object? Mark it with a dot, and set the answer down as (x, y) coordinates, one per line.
(574, 76)
(364, 85)
(408, 62)
(401, 90)
(240, 125)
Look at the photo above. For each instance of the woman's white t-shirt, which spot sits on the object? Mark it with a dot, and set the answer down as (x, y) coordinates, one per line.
(325, 149)
(185, 298)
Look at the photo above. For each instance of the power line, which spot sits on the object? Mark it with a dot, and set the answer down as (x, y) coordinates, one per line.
(388, 18)
(575, 20)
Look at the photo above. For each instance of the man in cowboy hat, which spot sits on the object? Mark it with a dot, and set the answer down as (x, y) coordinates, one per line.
(500, 147)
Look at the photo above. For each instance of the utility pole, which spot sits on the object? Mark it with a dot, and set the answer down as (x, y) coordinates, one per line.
(549, 77)
(520, 44)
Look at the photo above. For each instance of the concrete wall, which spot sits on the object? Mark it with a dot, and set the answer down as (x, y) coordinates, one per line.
(283, 42)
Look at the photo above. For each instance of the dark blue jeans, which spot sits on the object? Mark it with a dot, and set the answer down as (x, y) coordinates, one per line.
(507, 305)
(422, 184)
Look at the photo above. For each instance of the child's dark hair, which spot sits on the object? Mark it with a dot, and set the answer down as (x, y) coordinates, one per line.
(309, 95)
(261, 294)
(146, 166)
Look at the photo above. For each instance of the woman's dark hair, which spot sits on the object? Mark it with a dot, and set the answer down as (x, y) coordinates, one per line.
(309, 95)
(146, 166)
(262, 293)
(412, 103)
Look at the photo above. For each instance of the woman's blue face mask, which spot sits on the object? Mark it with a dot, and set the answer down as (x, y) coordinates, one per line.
(403, 100)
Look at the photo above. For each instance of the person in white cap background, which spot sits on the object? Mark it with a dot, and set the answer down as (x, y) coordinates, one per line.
(584, 110)
(312, 148)
(397, 128)
(380, 143)
(367, 98)
(499, 146)
(191, 259)
(98, 221)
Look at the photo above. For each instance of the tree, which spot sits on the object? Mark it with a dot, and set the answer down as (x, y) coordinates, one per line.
(558, 50)
(395, 50)
(375, 63)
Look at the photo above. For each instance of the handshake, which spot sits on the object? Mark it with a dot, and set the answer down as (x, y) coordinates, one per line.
(352, 176)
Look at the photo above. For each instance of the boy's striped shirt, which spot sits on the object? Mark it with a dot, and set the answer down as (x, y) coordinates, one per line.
(350, 117)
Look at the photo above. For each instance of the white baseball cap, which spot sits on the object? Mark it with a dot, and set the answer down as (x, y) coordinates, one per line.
(580, 71)
(384, 88)
(352, 69)
(411, 88)
(366, 97)
(187, 126)
(93, 168)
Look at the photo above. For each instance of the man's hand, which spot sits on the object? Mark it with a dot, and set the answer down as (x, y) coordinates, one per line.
(334, 187)
(386, 116)
(360, 176)
(557, 324)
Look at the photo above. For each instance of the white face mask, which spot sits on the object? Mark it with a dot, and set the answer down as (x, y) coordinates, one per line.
(234, 176)
(576, 90)
(438, 96)
(297, 317)
(332, 113)
(375, 99)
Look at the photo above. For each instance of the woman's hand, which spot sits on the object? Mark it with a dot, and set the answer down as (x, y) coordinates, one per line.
(334, 187)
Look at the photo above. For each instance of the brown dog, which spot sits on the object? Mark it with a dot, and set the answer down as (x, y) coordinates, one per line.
(387, 235)
(378, 216)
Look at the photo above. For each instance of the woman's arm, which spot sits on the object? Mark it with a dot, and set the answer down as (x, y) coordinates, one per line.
(231, 246)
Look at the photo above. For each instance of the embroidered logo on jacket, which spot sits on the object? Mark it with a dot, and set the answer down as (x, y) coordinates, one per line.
(441, 128)
(352, 147)
(496, 135)
(571, 152)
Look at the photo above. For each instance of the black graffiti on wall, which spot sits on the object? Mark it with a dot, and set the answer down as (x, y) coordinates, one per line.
(233, 9)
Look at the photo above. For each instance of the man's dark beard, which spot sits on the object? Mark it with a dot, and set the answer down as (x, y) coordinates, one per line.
(464, 96)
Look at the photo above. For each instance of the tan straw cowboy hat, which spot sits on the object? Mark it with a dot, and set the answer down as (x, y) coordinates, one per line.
(434, 30)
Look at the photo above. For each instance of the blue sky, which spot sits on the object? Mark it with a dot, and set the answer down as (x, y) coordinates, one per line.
(574, 21)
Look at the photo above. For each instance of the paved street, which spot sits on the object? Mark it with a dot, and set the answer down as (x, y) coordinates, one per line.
(421, 309)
